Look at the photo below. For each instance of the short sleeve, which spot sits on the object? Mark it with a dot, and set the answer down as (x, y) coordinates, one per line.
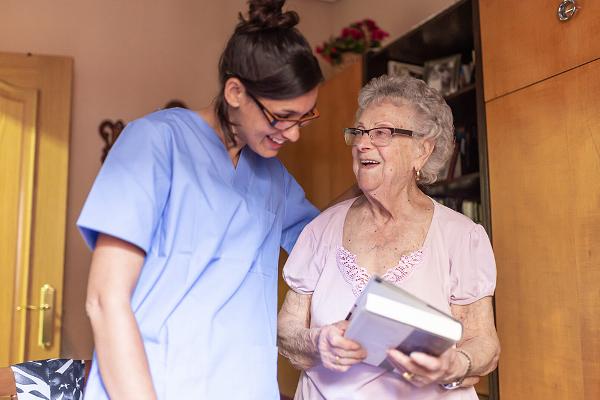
(298, 212)
(305, 264)
(130, 191)
(473, 268)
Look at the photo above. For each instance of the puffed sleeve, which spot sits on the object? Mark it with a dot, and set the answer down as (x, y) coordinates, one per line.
(131, 189)
(472, 268)
(305, 263)
(298, 212)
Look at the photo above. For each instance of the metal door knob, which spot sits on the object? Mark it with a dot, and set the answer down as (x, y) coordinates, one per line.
(566, 10)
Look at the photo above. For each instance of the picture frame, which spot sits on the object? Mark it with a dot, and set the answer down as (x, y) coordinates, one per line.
(398, 68)
(442, 74)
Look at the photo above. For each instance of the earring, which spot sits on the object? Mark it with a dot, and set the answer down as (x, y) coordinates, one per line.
(418, 175)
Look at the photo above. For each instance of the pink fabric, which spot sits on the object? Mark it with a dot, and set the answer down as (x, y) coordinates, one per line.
(358, 276)
(455, 266)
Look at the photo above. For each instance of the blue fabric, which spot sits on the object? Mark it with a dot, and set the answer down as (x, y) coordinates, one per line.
(206, 297)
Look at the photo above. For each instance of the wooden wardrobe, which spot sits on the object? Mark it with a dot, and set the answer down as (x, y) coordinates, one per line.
(322, 163)
(542, 92)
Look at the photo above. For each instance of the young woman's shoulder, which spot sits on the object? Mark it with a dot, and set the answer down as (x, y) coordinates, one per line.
(173, 120)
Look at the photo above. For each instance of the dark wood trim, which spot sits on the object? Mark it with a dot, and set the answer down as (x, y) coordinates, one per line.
(484, 171)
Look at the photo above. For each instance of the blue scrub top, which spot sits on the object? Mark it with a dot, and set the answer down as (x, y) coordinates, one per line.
(206, 299)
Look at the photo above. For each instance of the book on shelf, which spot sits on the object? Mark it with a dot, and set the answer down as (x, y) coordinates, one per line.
(385, 316)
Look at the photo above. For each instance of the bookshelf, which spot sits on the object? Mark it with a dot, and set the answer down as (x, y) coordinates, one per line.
(465, 188)
(451, 32)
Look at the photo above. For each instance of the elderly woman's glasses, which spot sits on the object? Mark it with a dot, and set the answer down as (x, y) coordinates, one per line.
(285, 123)
(381, 136)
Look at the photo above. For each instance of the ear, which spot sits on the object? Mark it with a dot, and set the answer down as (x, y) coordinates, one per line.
(233, 92)
(425, 148)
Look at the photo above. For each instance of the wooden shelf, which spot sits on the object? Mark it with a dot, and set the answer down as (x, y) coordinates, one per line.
(465, 187)
(462, 92)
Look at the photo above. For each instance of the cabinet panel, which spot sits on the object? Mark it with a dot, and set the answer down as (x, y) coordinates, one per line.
(322, 164)
(523, 42)
(321, 161)
(544, 163)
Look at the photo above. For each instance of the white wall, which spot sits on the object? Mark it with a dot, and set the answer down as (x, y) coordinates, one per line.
(131, 57)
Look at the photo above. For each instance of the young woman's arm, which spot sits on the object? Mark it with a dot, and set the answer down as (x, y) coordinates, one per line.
(115, 268)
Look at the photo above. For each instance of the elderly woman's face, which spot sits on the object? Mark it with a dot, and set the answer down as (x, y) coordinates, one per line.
(387, 167)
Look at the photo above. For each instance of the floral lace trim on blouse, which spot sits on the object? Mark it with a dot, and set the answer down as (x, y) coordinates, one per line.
(358, 277)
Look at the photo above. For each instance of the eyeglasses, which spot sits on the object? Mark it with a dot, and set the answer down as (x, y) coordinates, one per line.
(381, 136)
(285, 123)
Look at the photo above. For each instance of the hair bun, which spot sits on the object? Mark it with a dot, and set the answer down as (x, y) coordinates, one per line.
(267, 14)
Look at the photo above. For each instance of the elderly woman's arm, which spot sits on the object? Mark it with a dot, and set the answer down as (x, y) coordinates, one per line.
(479, 341)
(306, 347)
(296, 341)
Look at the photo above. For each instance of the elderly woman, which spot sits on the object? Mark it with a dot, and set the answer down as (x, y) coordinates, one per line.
(404, 136)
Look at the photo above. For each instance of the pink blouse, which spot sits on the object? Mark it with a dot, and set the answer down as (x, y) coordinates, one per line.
(455, 266)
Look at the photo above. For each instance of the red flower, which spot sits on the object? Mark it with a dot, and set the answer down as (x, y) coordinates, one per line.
(358, 37)
(370, 24)
(356, 33)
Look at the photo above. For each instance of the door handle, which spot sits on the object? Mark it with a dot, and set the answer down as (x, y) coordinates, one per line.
(46, 317)
(46, 324)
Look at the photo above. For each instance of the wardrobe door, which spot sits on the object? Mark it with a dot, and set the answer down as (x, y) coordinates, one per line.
(322, 164)
(544, 164)
(524, 41)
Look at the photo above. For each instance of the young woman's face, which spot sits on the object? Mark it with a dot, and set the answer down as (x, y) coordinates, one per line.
(254, 123)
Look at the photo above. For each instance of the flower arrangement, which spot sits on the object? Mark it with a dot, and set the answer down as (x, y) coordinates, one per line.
(357, 38)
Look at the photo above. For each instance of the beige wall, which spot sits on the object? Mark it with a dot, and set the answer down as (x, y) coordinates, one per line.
(394, 16)
(131, 57)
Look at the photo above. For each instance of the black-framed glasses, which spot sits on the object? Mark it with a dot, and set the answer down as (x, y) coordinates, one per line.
(380, 136)
(285, 123)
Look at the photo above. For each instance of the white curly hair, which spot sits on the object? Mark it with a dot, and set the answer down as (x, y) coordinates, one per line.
(434, 115)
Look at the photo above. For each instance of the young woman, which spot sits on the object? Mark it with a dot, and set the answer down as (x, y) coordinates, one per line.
(186, 219)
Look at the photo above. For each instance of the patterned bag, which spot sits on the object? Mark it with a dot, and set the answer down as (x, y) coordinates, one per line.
(54, 379)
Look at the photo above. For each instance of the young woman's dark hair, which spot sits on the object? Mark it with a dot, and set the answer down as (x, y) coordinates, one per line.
(269, 56)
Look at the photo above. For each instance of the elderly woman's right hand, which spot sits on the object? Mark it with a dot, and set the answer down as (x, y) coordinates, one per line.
(338, 353)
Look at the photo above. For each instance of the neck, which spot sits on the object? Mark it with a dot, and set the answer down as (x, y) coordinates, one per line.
(209, 115)
(400, 203)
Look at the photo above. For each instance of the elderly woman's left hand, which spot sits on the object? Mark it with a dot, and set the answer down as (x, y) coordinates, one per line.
(421, 369)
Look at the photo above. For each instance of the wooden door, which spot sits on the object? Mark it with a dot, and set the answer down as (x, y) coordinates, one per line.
(322, 164)
(320, 161)
(35, 101)
(524, 41)
(544, 163)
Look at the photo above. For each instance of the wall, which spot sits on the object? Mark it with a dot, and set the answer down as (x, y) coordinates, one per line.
(394, 16)
(131, 57)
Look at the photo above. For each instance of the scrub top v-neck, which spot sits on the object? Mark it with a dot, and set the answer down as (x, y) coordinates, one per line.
(206, 298)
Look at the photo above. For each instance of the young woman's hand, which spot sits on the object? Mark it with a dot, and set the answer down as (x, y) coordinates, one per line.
(338, 353)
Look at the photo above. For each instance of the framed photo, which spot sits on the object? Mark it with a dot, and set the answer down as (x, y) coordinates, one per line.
(402, 69)
(442, 74)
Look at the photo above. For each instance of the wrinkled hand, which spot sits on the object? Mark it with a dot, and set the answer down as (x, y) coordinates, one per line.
(423, 369)
(338, 353)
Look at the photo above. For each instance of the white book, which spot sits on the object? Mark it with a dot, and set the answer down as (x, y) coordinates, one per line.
(386, 316)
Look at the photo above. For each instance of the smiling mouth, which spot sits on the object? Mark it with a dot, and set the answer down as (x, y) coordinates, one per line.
(369, 163)
(276, 140)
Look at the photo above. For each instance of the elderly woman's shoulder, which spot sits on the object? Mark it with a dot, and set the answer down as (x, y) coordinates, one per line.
(333, 215)
(453, 220)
